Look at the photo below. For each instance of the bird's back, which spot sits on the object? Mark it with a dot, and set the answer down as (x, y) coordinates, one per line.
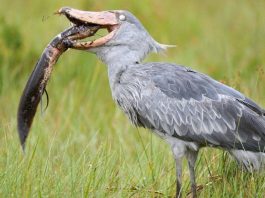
(190, 106)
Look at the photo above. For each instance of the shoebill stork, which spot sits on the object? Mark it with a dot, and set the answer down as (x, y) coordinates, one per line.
(186, 108)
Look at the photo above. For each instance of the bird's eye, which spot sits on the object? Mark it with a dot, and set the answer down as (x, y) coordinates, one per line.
(122, 17)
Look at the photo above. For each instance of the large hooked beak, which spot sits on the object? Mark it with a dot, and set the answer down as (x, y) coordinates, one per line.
(105, 19)
(85, 25)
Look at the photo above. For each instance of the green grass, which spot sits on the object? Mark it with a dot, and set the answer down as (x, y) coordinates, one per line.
(83, 145)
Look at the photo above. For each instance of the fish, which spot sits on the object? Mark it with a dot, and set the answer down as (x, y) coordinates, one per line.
(36, 84)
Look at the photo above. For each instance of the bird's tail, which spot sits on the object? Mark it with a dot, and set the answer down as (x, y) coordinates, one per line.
(251, 161)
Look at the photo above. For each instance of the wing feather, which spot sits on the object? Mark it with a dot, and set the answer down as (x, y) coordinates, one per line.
(188, 105)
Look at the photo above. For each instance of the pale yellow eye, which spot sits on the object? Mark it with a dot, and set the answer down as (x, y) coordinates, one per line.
(122, 17)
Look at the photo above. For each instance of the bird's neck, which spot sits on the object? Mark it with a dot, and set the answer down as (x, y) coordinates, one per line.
(115, 71)
(118, 59)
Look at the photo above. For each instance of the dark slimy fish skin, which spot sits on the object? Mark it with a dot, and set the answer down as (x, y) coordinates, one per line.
(38, 79)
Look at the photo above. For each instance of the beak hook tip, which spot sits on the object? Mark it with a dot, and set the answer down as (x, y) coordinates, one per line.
(62, 10)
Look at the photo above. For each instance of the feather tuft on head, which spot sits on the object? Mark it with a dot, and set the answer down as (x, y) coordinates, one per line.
(158, 47)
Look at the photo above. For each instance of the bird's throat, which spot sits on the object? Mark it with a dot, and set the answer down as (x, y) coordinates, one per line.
(115, 72)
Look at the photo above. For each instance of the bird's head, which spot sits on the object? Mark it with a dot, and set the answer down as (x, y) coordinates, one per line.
(127, 40)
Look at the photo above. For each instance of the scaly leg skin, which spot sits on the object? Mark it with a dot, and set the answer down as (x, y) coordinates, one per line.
(178, 162)
(192, 157)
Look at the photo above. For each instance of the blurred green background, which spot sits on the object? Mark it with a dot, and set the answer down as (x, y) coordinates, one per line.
(83, 145)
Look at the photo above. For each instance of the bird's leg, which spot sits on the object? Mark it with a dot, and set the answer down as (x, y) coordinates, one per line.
(179, 176)
(192, 157)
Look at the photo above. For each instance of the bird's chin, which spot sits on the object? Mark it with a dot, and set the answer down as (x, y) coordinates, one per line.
(96, 20)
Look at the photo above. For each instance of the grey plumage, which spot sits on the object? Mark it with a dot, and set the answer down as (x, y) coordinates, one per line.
(188, 109)
(191, 110)
(185, 104)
